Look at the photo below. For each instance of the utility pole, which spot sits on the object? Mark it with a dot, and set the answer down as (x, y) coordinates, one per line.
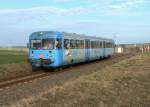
(115, 37)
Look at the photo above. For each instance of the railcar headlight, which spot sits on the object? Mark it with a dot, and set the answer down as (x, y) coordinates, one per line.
(50, 53)
(32, 54)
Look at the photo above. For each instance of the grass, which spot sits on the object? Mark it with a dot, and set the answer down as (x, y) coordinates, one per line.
(12, 63)
(12, 56)
(125, 84)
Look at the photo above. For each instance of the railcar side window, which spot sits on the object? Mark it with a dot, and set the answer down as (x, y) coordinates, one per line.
(73, 44)
(66, 43)
(101, 44)
(92, 44)
(110, 45)
(87, 44)
(58, 43)
(104, 44)
(97, 44)
(107, 44)
(78, 42)
(82, 44)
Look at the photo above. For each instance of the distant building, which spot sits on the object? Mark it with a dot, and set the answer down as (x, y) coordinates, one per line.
(119, 49)
(133, 48)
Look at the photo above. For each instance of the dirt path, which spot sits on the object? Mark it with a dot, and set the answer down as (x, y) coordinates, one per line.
(13, 94)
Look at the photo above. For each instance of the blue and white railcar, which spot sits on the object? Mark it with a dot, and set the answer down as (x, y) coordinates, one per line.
(53, 49)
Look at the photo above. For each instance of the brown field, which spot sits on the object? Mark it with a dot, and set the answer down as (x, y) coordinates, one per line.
(125, 84)
(13, 70)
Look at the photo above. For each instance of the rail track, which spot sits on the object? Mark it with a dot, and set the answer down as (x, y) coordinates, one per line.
(37, 75)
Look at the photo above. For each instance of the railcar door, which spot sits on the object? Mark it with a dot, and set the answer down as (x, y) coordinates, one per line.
(59, 52)
(87, 49)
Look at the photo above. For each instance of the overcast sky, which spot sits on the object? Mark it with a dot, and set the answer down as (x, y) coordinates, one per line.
(127, 20)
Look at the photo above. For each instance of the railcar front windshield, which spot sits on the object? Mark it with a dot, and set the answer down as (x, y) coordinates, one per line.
(48, 44)
(44, 44)
(35, 44)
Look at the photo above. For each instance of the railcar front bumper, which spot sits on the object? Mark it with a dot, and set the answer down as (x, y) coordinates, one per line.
(41, 62)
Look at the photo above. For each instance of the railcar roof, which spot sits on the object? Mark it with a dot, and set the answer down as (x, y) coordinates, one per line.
(76, 35)
(85, 36)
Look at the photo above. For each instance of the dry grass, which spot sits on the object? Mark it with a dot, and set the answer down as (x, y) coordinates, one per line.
(125, 84)
(12, 70)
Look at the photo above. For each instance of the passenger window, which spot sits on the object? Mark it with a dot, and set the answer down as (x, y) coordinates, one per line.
(97, 44)
(104, 44)
(82, 44)
(73, 44)
(58, 43)
(94, 44)
(107, 45)
(87, 44)
(66, 44)
(78, 44)
(91, 44)
(101, 44)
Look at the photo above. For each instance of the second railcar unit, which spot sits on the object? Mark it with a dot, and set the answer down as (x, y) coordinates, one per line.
(51, 49)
